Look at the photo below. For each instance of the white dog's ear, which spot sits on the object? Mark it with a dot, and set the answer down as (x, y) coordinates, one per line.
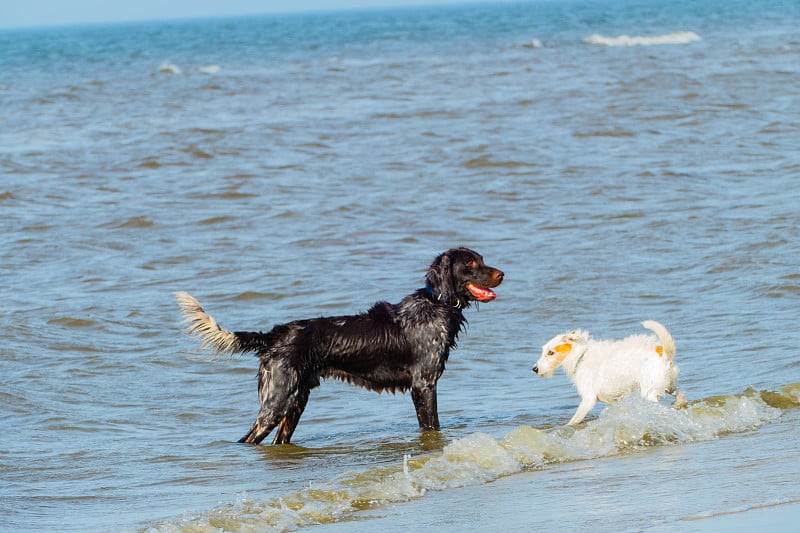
(572, 336)
(563, 349)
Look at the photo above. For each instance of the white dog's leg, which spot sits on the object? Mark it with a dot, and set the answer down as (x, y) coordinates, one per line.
(680, 399)
(583, 410)
(651, 395)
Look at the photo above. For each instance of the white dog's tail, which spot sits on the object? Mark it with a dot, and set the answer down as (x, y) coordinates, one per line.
(663, 336)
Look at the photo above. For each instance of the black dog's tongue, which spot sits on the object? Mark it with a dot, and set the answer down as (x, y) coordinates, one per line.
(481, 293)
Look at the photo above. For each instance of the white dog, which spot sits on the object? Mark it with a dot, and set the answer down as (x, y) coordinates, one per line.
(606, 370)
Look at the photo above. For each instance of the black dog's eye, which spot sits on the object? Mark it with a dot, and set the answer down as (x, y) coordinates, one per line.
(472, 263)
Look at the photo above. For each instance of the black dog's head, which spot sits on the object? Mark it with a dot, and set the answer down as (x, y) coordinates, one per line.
(459, 276)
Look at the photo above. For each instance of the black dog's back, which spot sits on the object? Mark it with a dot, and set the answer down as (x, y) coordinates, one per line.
(374, 350)
(391, 347)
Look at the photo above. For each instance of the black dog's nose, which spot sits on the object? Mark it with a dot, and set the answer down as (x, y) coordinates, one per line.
(536, 369)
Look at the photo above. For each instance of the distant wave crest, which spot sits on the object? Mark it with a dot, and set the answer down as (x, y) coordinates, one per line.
(172, 68)
(208, 69)
(533, 43)
(169, 68)
(680, 37)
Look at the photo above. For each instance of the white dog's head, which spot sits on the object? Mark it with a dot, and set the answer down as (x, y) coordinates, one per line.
(556, 350)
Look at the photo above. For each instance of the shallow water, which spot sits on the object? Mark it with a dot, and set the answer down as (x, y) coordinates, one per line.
(296, 166)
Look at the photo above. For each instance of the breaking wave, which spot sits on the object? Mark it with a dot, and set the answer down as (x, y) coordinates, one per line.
(625, 427)
(169, 68)
(681, 37)
(172, 68)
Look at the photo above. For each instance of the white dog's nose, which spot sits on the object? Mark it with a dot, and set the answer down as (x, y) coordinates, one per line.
(535, 369)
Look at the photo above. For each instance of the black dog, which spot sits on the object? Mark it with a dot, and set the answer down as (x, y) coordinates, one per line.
(391, 347)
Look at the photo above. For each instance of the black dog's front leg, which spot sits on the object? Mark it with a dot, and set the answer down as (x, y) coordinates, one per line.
(424, 397)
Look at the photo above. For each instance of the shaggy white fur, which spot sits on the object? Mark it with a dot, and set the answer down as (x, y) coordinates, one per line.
(605, 370)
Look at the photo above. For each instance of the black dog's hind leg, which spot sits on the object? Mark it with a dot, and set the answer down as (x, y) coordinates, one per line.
(289, 422)
(282, 403)
(424, 397)
(261, 428)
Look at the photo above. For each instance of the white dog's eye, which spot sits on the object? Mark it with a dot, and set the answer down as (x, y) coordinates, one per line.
(551, 352)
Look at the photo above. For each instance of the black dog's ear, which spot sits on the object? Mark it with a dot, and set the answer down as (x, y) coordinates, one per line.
(440, 279)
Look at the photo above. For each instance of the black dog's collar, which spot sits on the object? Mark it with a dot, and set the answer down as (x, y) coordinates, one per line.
(433, 292)
(437, 295)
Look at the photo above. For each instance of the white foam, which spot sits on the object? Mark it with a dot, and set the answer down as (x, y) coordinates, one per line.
(680, 37)
(468, 461)
(533, 43)
(169, 68)
(208, 69)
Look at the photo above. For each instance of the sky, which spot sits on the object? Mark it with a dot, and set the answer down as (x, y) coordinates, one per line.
(29, 13)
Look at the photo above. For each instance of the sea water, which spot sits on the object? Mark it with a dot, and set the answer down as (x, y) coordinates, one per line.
(620, 161)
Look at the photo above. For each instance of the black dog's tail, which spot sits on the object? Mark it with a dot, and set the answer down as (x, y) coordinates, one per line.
(202, 325)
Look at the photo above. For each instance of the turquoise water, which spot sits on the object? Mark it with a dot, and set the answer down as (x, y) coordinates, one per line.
(620, 161)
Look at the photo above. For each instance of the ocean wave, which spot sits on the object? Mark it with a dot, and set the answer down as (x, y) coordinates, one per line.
(680, 37)
(533, 43)
(169, 68)
(624, 427)
(208, 69)
(172, 68)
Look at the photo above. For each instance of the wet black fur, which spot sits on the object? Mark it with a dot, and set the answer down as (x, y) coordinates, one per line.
(391, 347)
